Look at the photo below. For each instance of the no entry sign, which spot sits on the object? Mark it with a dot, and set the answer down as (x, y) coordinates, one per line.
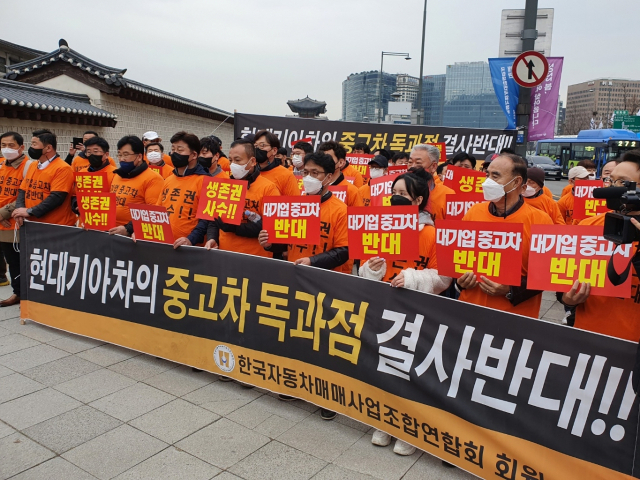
(530, 69)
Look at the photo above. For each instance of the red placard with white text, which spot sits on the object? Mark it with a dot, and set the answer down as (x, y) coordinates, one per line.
(92, 182)
(464, 180)
(360, 161)
(399, 169)
(381, 190)
(458, 204)
(584, 205)
(561, 254)
(97, 210)
(387, 232)
(292, 220)
(492, 250)
(224, 198)
(151, 223)
(340, 191)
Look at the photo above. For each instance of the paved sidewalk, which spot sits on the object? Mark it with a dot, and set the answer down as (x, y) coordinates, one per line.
(72, 408)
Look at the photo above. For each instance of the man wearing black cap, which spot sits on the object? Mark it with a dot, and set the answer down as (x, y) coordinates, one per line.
(534, 195)
(377, 168)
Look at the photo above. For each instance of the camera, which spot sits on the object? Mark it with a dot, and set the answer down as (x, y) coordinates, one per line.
(617, 225)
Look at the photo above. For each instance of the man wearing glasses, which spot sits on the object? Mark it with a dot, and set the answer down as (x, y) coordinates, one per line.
(133, 182)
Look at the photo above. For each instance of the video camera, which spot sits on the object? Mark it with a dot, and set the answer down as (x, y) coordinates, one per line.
(617, 225)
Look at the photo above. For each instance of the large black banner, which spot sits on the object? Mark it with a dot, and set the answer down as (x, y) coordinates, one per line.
(479, 142)
(491, 392)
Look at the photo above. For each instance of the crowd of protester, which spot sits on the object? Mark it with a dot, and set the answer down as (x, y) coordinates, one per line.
(37, 184)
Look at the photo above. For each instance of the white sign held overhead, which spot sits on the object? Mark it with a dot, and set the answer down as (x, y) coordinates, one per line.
(530, 69)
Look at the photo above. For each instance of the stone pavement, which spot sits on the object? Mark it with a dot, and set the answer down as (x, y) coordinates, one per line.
(73, 408)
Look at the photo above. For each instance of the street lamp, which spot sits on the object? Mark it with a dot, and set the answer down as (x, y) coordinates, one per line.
(419, 99)
(391, 54)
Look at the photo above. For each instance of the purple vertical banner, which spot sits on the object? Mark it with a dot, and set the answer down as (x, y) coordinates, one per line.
(544, 102)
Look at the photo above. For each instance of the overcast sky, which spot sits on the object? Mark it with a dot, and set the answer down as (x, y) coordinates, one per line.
(253, 56)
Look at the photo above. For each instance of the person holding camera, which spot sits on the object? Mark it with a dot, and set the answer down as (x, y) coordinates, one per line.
(617, 317)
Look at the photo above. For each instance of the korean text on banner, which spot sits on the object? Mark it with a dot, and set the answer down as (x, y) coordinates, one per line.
(464, 180)
(223, 198)
(151, 223)
(584, 205)
(97, 210)
(544, 102)
(458, 204)
(506, 88)
(292, 220)
(492, 250)
(562, 254)
(386, 232)
(360, 161)
(340, 191)
(399, 169)
(381, 190)
(91, 182)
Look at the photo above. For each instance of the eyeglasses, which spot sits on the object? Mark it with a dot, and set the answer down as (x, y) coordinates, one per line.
(606, 179)
(618, 183)
(262, 146)
(126, 155)
(313, 173)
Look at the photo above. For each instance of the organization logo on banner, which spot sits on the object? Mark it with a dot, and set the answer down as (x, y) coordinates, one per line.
(223, 356)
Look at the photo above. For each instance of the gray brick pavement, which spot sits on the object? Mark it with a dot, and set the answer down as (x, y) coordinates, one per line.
(74, 408)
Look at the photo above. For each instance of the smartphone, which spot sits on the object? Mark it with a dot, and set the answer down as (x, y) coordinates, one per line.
(76, 141)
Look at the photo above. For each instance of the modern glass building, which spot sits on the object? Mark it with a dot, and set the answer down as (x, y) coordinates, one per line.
(433, 87)
(360, 95)
(469, 98)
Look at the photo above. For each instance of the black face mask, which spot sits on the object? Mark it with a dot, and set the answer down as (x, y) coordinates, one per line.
(179, 161)
(95, 160)
(262, 156)
(400, 201)
(34, 153)
(205, 162)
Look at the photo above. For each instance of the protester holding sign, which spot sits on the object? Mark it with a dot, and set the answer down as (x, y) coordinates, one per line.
(589, 166)
(133, 183)
(565, 204)
(534, 196)
(339, 154)
(617, 317)
(155, 154)
(97, 151)
(80, 163)
(266, 147)
(502, 190)
(45, 192)
(377, 168)
(243, 238)
(210, 157)
(12, 172)
(427, 157)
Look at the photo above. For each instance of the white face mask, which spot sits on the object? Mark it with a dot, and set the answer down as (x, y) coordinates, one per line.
(529, 192)
(10, 153)
(239, 171)
(298, 161)
(312, 186)
(376, 172)
(154, 157)
(592, 176)
(493, 191)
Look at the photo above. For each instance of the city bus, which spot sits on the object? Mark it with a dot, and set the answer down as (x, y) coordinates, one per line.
(597, 145)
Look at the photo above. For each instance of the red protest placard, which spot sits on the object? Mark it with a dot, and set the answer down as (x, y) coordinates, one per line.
(464, 180)
(388, 232)
(300, 184)
(458, 204)
(340, 191)
(151, 223)
(561, 254)
(399, 169)
(381, 190)
(292, 220)
(92, 182)
(97, 210)
(224, 198)
(492, 250)
(350, 179)
(584, 205)
(360, 161)
(443, 150)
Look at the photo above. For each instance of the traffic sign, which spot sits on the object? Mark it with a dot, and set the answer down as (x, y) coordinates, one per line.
(530, 69)
(627, 123)
(620, 113)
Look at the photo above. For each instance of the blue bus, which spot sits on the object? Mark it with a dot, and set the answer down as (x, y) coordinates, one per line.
(597, 145)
